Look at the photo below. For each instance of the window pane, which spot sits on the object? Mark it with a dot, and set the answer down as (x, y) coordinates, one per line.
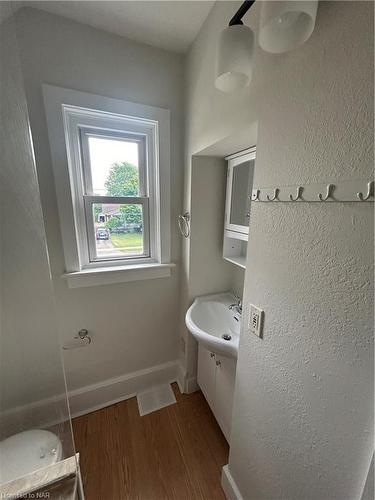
(118, 230)
(114, 167)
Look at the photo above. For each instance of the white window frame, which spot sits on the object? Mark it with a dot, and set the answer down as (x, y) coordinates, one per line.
(69, 115)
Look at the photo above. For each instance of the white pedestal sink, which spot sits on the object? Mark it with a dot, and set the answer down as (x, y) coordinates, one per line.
(214, 325)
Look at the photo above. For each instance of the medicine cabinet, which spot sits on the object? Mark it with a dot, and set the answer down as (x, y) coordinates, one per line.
(237, 205)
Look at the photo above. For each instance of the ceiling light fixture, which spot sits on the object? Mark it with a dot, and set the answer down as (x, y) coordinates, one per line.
(234, 58)
(287, 24)
(283, 26)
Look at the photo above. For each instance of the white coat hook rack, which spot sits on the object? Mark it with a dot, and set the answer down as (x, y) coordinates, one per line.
(344, 191)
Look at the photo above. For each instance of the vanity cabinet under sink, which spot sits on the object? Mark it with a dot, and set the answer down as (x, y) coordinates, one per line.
(216, 378)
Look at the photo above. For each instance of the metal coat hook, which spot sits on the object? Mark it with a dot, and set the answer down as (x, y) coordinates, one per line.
(255, 196)
(299, 194)
(370, 192)
(330, 189)
(275, 195)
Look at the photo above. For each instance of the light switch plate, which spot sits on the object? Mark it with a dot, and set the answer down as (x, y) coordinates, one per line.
(255, 324)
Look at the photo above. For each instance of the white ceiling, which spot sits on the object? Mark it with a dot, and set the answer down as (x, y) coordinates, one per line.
(170, 24)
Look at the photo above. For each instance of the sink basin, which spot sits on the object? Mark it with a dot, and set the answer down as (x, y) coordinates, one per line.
(209, 319)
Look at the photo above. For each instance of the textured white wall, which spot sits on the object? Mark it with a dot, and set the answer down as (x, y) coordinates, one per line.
(133, 324)
(303, 411)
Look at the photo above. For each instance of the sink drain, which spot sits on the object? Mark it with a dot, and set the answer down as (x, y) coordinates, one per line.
(226, 336)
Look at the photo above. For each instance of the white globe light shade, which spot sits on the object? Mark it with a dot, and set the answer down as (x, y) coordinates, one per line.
(234, 58)
(286, 24)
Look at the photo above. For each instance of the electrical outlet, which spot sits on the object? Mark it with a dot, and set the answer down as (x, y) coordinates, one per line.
(255, 324)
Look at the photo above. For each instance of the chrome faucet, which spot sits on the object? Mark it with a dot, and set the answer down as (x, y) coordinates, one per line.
(237, 306)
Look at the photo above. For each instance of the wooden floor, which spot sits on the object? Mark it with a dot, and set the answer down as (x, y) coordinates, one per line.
(174, 453)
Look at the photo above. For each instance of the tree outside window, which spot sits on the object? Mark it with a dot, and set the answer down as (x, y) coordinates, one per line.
(123, 180)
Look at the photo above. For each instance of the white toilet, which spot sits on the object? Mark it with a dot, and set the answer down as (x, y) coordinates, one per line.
(27, 452)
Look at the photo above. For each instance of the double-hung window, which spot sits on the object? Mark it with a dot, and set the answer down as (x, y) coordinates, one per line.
(115, 196)
(111, 168)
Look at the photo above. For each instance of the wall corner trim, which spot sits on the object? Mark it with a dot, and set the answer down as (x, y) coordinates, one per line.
(186, 384)
(181, 376)
(191, 385)
(229, 486)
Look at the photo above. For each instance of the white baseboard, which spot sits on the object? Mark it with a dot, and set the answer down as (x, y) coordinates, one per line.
(54, 410)
(94, 397)
(229, 486)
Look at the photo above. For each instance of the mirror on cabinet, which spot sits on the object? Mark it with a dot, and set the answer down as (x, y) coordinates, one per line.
(238, 205)
(239, 187)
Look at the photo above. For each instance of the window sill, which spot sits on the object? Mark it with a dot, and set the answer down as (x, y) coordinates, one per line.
(110, 275)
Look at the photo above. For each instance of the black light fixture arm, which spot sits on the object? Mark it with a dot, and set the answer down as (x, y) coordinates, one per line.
(237, 18)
